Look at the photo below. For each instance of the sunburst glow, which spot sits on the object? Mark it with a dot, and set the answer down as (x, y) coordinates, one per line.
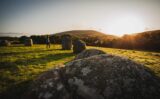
(126, 24)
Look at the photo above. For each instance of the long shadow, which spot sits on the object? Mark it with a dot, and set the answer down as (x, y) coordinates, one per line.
(35, 61)
(15, 45)
(16, 91)
(44, 60)
(27, 52)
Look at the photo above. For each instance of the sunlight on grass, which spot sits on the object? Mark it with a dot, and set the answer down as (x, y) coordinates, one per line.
(149, 59)
(19, 65)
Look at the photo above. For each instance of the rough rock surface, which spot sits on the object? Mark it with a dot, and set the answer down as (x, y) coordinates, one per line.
(28, 42)
(78, 46)
(89, 52)
(66, 42)
(5, 43)
(97, 77)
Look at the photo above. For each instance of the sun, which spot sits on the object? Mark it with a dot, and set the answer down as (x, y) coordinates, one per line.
(126, 25)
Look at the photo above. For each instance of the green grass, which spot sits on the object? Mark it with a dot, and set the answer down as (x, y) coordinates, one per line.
(147, 58)
(19, 65)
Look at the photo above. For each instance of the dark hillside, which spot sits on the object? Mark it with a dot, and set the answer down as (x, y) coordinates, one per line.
(91, 37)
(86, 33)
(149, 40)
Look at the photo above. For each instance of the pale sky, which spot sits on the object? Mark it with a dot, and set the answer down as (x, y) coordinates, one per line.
(51, 16)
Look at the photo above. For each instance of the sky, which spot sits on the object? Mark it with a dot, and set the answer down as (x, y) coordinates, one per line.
(115, 17)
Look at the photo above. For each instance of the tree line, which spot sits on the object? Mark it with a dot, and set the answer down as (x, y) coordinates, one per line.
(144, 41)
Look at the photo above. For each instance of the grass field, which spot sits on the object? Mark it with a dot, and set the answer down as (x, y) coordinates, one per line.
(19, 65)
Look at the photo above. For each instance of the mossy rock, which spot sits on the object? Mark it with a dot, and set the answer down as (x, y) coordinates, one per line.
(89, 52)
(97, 77)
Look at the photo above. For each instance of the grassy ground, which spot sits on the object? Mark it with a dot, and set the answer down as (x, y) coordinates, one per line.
(147, 58)
(19, 65)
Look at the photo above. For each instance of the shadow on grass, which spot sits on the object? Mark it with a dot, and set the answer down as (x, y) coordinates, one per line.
(15, 45)
(27, 52)
(35, 61)
(45, 59)
(7, 65)
(16, 91)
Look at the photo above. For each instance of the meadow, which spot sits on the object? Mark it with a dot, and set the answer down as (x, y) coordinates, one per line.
(20, 65)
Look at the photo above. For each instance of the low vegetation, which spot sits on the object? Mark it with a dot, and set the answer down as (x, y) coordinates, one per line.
(19, 65)
(148, 40)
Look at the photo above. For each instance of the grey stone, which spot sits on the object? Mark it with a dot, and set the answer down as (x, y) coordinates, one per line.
(28, 42)
(78, 46)
(5, 43)
(66, 42)
(97, 77)
(89, 52)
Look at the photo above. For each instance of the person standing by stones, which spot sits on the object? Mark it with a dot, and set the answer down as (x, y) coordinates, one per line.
(48, 43)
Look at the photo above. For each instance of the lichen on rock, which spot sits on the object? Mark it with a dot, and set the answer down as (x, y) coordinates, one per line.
(89, 52)
(101, 76)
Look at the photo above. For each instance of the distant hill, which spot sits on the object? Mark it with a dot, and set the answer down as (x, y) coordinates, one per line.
(86, 33)
(153, 32)
(13, 34)
(91, 37)
(148, 40)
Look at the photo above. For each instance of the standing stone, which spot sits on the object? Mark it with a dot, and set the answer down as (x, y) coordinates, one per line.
(89, 52)
(28, 42)
(97, 77)
(66, 42)
(78, 46)
(5, 43)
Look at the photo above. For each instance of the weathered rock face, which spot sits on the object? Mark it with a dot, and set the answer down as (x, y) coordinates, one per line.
(49, 85)
(89, 52)
(78, 46)
(28, 42)
(97, 77)
(5, 43)
(66, 42)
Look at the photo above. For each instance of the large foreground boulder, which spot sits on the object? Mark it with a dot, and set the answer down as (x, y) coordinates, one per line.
(28, 42)
(89, 52)
(97, 77)
(78, 46)
(5, 43)
(66, 42)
